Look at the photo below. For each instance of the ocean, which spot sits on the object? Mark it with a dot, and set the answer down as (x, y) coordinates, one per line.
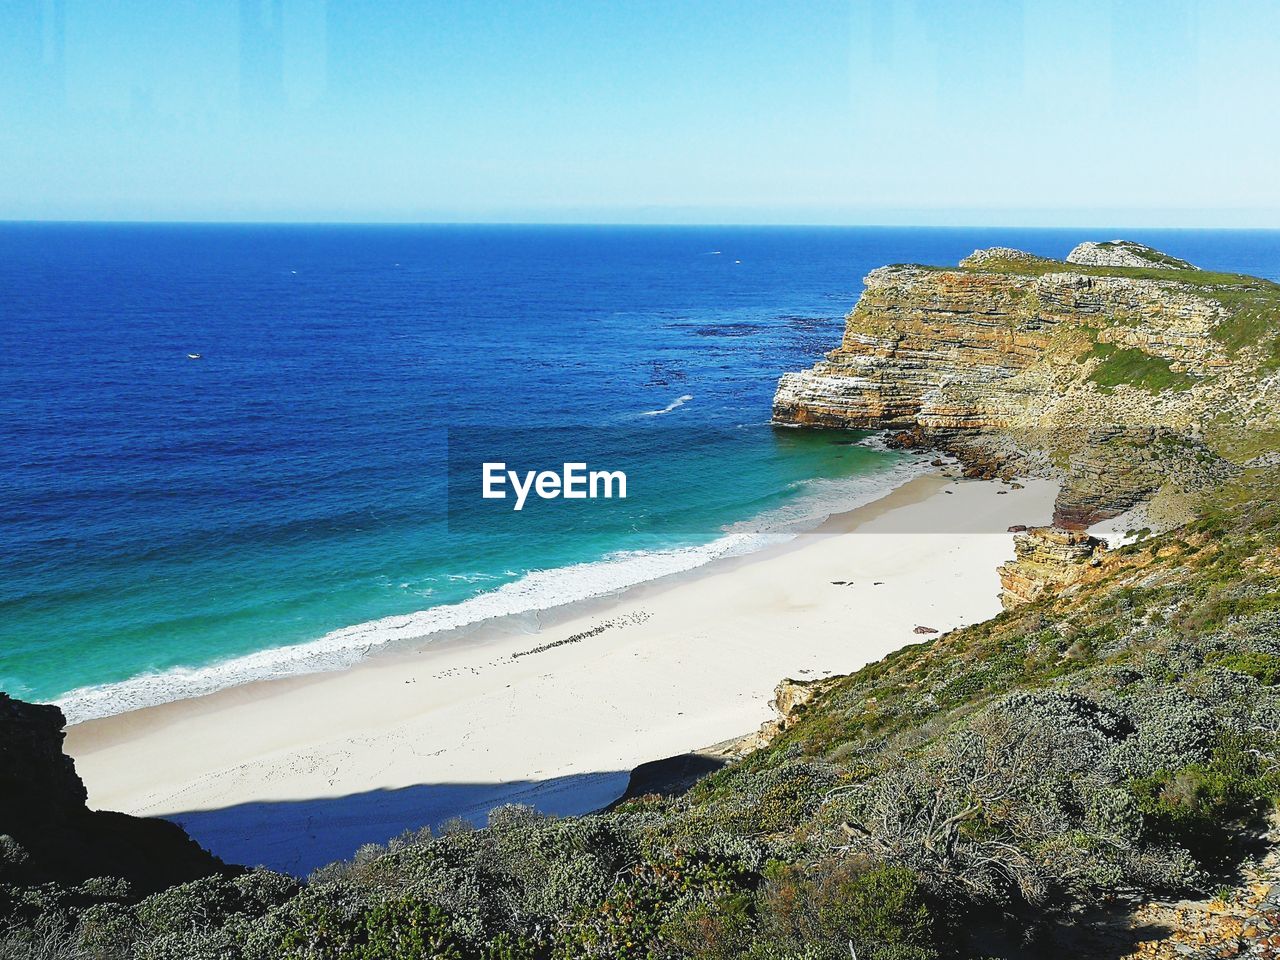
(283, 502)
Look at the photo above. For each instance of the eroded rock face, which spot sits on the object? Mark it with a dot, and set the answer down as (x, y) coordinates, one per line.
(1119, 467)
(55, 837)
(1015, 364)
(943, 349)
(1046, 560)
(913, 333)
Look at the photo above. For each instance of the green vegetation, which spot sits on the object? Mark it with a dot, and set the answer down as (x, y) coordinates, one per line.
(1253, 322)
(1132, 366)
(1224, 436)
(1147, 253)
(1263, 667)
(965, 797)
(1031, 266)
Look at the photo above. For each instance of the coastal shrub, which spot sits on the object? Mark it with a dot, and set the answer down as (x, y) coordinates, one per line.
(1263, 667)
(407, 929)
(213, 944)
(1111, 812)
(188, 907)
(440, 877)
(552, 866)
(47, 937)
(1161, 868)
(106, 931)
(12, 856)
(324, 921)
(22, 906)
(822, 913)
(648, 903)
(196, 912)
(1199, 805)
(335, 924)
(718, 929)
(105, 889)
(536, 869)
(208, 918)
(1171, 730)
(771, 800)
(1021, 798)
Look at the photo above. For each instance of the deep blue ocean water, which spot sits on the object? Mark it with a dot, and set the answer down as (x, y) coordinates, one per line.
(168, 525)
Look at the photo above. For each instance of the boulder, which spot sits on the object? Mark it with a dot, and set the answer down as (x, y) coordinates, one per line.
(1046, 559)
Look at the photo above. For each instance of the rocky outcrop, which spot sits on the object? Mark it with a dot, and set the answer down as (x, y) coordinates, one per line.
(1016, 363)
(37, 780)
(48, 834)
(1046, 559)
(998, 256)
(789, 699)
(1124, 253)
(1118, 467)
(1243, 923)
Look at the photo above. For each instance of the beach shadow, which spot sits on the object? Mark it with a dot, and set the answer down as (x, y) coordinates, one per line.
(670, 776)
(297, 836)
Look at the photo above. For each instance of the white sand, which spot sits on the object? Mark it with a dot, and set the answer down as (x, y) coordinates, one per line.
(295, 773)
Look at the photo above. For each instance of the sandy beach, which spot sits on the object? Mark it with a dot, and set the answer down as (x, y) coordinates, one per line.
(294, 773)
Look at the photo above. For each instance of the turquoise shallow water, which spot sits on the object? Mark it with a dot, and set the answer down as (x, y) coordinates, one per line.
(170, 525)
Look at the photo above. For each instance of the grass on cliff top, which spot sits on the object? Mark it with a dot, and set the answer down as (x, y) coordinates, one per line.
(1127, 365)
(1225, 438)
(1147, 253)
(1040, 266)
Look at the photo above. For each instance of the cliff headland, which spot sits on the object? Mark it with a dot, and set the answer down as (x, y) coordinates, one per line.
(1129, 374)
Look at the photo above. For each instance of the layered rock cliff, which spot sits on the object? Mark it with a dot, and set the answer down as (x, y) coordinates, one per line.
(1046, 559)
(48, 834)
(1124, 372)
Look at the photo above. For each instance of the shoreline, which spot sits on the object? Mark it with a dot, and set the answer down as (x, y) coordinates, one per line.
(557, 707)
(510, 626)
(523, 601)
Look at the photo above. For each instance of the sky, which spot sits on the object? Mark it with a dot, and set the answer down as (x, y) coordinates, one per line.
(996, 112)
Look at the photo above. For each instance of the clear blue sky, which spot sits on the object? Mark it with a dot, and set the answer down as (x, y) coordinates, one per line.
(1098, 112)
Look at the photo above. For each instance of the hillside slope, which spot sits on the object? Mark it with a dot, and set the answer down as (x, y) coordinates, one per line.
(1048, 783)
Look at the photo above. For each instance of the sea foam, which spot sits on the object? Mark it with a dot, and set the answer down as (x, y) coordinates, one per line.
(673, 405)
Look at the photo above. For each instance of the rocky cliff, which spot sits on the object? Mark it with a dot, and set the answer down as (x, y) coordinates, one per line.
(48, 834)
(1124, 371)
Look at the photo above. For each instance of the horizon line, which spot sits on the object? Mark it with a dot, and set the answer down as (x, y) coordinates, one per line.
(75, 221)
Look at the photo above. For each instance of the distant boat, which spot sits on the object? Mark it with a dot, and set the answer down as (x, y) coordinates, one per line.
(193, 356)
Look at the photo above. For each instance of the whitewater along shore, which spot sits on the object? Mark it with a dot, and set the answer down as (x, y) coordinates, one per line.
(297, 772)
